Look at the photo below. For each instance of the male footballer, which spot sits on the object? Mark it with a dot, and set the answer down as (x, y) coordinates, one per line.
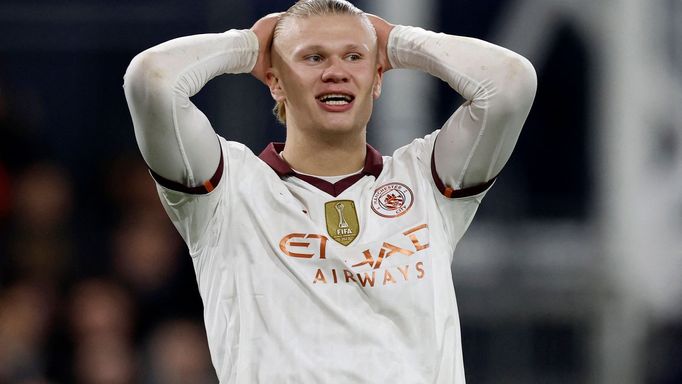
(320, 260)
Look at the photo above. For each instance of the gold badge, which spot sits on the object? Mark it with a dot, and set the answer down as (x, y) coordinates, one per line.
(342, 221)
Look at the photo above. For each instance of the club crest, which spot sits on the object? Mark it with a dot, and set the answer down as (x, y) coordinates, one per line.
(392, 200)
(342, 221)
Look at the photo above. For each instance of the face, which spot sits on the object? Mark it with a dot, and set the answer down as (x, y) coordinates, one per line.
(325, 71)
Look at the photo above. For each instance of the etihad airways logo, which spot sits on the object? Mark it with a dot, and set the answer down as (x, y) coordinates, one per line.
(365, 268)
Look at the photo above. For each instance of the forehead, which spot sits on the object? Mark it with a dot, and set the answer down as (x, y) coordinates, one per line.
(326, 31)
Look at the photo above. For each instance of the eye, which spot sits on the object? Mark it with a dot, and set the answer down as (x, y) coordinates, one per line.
(353, 57)
(313, 58)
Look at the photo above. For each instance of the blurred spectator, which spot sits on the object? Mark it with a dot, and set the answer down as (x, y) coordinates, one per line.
(100, 308)
(101, 320)
(44, 197)
(146, 252)
(19, 145)
(105, 360)
(26, 317)
(39, 242)
(130, 186)
(178, 354)
(149, 258)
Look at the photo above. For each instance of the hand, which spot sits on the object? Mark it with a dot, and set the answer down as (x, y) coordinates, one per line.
(383, 29)
(264, 29)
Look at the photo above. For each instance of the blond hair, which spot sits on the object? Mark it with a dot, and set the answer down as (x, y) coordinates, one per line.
(307, 8)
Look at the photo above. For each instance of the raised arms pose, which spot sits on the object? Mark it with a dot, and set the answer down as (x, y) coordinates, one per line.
(320, 260)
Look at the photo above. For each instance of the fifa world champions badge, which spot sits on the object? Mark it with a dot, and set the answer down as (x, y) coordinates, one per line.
(392, 200)
(342, 221)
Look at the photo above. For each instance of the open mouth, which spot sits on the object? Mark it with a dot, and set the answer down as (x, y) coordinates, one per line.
(336, 99)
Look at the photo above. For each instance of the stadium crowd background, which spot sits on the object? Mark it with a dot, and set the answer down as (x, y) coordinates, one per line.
(96, 287)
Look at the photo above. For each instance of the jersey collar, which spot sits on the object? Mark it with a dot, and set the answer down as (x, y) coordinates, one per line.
(373, 166)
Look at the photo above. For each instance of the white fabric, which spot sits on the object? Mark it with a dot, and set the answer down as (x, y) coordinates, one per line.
(498, 86)
(178, 143)
(271, 318)
(175, 137)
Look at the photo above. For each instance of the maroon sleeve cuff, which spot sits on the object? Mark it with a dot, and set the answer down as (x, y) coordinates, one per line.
(452, 193)
(202, 189)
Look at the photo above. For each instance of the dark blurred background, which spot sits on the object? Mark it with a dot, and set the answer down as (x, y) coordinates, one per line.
(569, 274)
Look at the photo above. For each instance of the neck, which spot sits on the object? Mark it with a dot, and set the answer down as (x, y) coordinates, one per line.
(329, 155)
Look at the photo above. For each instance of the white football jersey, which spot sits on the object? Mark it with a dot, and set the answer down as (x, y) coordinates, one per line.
(304, 281)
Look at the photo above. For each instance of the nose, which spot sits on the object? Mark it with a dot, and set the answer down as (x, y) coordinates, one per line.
(335, 71)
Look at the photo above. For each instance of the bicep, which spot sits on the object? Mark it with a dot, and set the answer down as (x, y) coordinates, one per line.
(174, 136)
(475, 143)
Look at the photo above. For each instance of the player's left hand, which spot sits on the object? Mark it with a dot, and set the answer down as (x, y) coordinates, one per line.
(383, 29)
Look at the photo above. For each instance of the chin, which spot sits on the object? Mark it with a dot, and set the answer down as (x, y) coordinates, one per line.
(340, 127)
(343, 124)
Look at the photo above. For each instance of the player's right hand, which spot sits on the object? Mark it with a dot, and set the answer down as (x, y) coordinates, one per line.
(264, 29)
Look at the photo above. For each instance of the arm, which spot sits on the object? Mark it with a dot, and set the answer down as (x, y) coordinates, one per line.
(175, 137)
(498, 86)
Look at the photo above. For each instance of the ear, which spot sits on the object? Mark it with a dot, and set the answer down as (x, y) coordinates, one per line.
(378, 79)
(274, 84)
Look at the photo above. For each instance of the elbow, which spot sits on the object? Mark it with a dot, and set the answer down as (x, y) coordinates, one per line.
(516, 92)
(527, 79)
(145, 75)
(521, 80)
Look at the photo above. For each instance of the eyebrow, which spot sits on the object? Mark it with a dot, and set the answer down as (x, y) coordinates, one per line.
(347, 47)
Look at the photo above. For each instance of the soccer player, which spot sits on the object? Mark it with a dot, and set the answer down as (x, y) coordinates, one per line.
(320, 260)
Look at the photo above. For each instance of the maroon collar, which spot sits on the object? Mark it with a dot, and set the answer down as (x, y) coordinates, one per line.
(373, 165)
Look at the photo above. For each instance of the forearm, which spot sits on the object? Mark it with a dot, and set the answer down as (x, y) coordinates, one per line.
(498, 86)
(175, 138)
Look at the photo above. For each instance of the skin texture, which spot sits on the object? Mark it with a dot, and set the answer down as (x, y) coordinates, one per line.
(319, 55)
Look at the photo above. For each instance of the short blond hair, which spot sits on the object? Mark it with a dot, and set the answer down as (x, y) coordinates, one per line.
(307, 8)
